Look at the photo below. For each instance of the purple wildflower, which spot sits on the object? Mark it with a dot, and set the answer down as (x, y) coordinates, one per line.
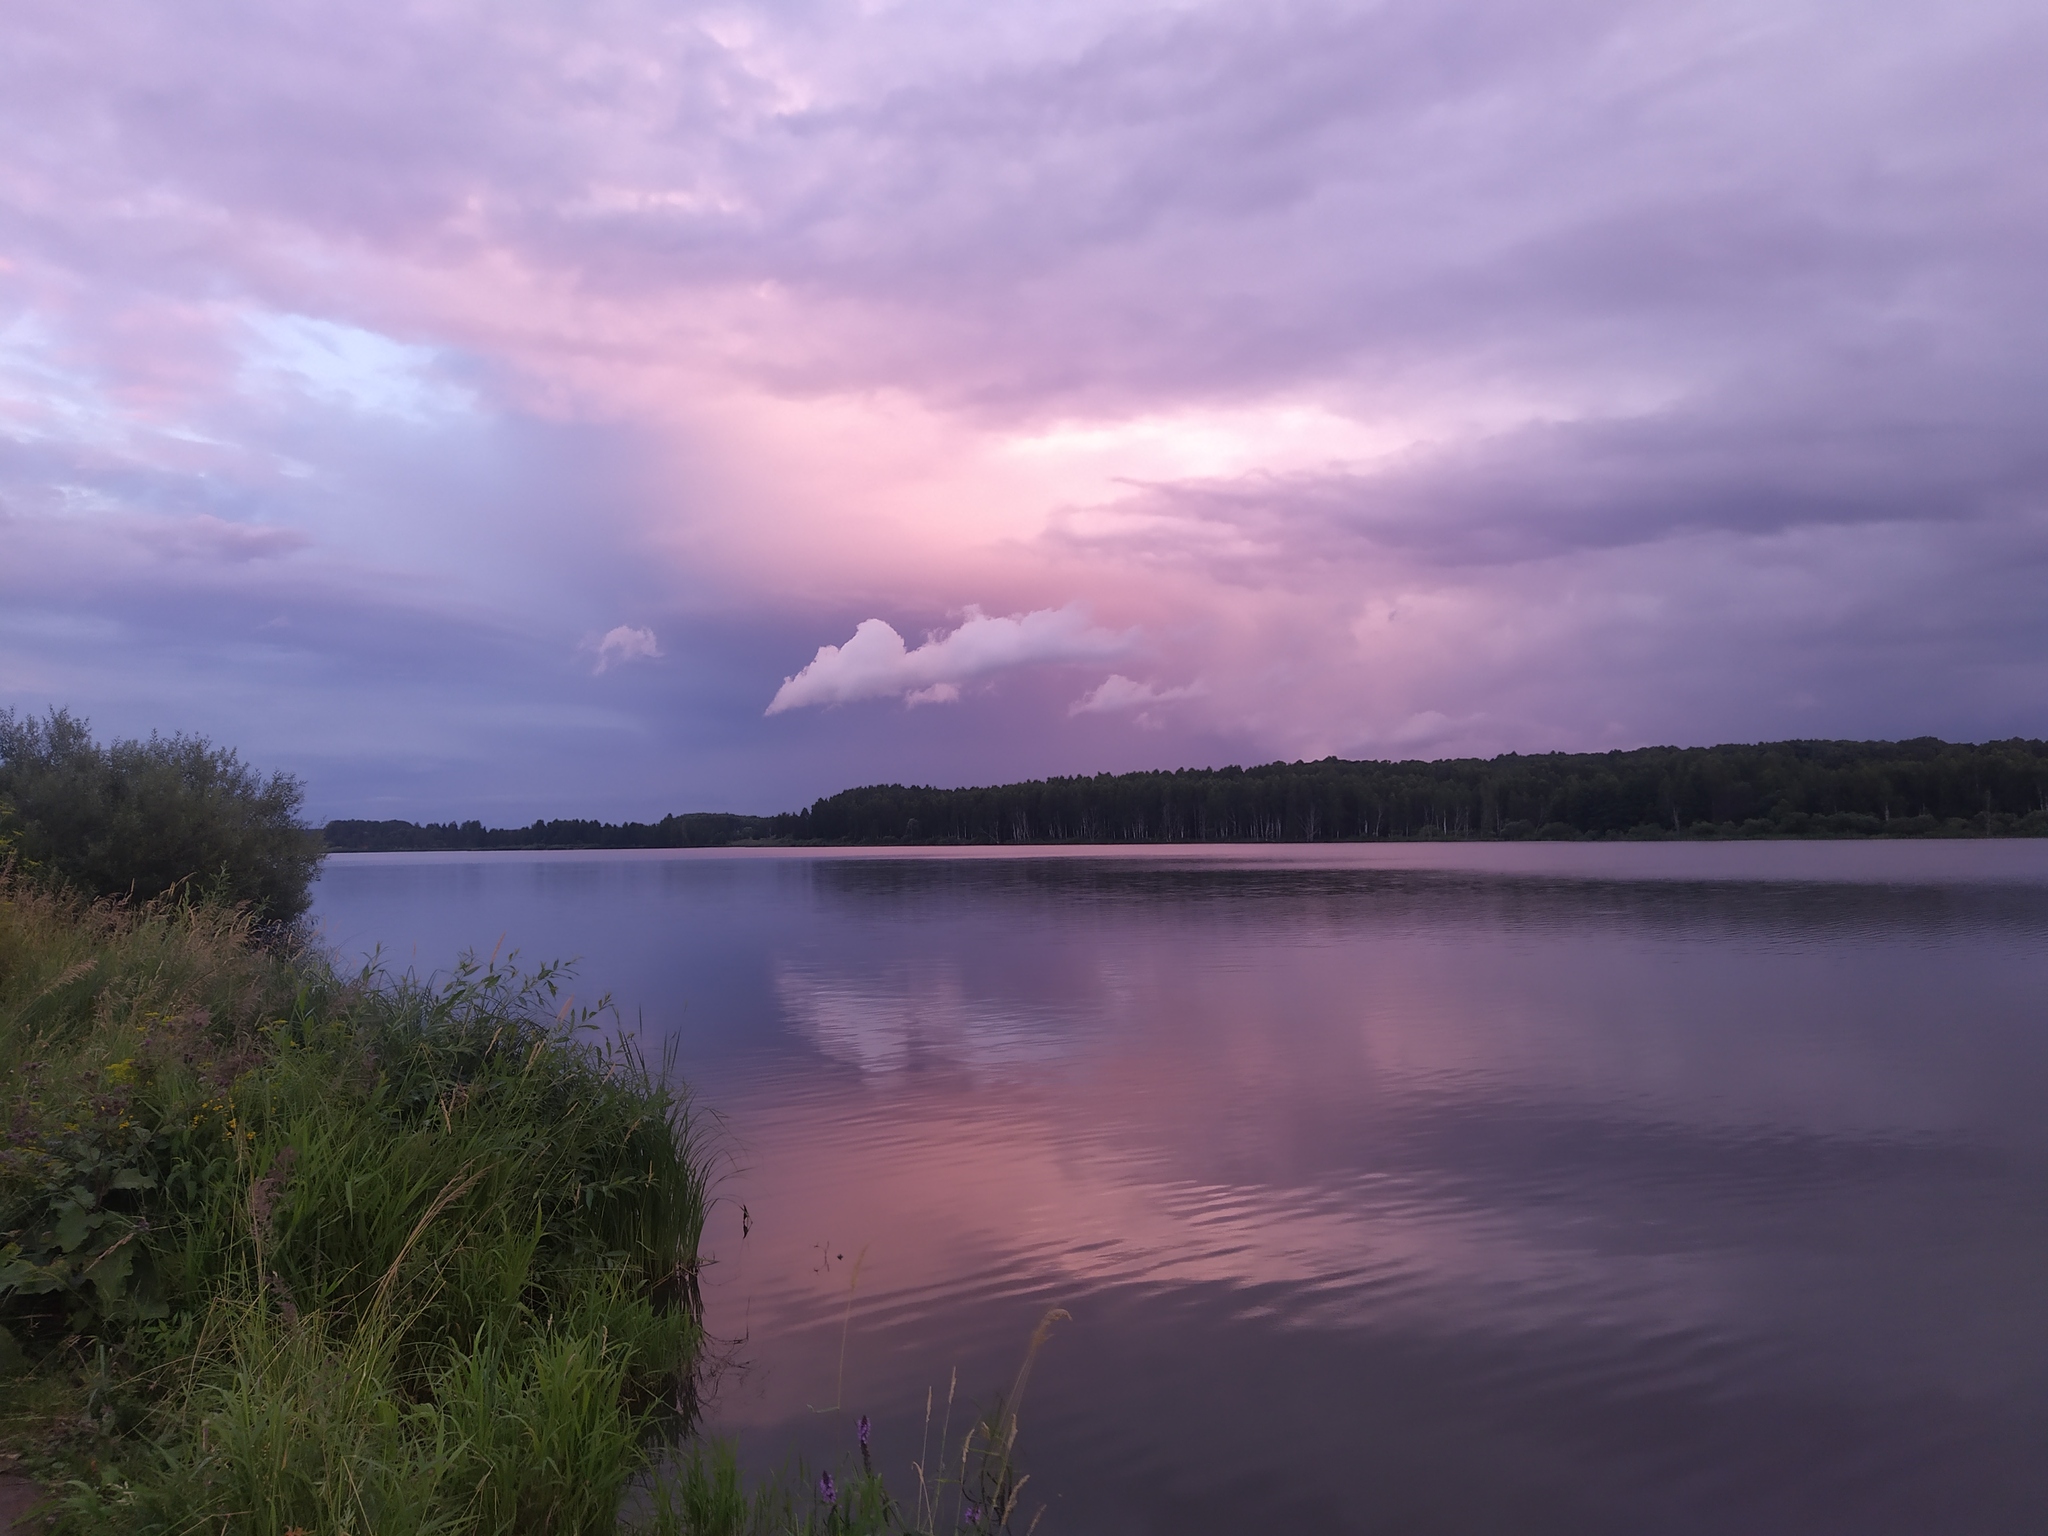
(867, 1462)
(971, 1515)
(862, 1430)
(826, 1491)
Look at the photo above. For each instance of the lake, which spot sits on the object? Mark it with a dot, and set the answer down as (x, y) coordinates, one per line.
(1578, 1188)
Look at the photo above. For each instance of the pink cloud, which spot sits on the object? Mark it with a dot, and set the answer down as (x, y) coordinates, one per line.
(1117, 694)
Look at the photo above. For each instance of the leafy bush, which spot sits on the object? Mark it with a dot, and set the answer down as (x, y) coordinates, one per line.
(139, 818)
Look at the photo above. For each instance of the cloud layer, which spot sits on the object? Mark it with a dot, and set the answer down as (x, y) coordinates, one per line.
(1423, 376)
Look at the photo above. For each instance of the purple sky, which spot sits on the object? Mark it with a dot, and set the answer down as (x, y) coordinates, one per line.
(494, 409)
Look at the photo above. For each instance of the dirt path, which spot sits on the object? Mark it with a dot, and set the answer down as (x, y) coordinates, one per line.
(17, 1495)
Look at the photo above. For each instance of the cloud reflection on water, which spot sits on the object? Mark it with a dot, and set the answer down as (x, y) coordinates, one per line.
(923, 1011)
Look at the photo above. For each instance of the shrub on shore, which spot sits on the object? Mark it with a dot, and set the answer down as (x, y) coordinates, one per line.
(138, 818)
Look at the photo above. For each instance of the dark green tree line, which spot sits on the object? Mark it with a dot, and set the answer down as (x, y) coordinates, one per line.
(1799, 788)
(1922, 787)
(697, 829)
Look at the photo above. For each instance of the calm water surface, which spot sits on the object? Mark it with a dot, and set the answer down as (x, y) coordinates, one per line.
(1560, 1188)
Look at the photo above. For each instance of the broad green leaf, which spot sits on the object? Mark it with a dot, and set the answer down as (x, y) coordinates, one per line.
(74, 1227)
(110, 1274)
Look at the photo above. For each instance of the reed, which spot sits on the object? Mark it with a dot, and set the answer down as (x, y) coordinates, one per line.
(975, 1486)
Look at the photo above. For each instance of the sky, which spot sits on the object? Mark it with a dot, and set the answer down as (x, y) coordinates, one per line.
(511, 409)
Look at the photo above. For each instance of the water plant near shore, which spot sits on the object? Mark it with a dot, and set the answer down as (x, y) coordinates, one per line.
(977, 1487)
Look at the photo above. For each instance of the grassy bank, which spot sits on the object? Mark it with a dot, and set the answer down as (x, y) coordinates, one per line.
(287, 1251)
(292, 1251)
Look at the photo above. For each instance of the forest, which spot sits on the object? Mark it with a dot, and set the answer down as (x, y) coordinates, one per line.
(1919, 788)
(701, 829)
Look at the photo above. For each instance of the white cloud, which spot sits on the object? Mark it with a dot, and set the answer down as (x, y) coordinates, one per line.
(1118, 692)
(875, 663)
(623, 644)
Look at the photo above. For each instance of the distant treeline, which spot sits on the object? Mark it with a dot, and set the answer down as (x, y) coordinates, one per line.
(1919, 788)
(702, 829)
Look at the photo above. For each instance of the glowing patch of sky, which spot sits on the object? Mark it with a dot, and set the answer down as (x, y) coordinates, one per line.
(348, 366)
